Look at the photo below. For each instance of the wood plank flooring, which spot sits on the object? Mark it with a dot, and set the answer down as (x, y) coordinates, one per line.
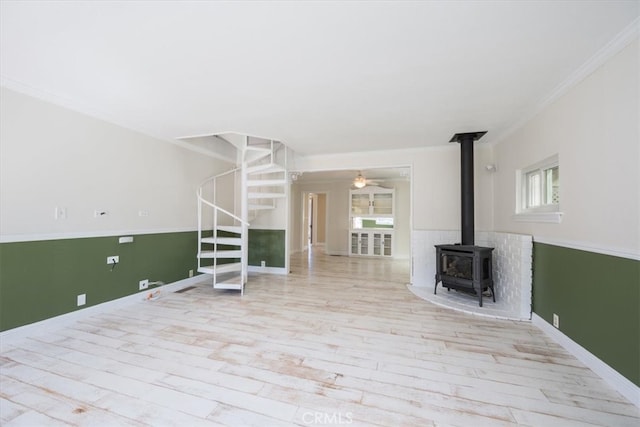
(340, 341)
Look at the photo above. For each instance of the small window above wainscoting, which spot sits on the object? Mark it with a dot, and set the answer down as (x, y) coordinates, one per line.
(538, 192)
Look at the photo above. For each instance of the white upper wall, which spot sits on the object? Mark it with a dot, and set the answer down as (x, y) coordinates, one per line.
(435, 177)
(594, 128)
(54, 157)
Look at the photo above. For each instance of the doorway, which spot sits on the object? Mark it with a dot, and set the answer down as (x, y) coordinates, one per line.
(314, 221)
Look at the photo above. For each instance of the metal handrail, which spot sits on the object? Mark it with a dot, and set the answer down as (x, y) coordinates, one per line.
(206, 202)
(212, 178)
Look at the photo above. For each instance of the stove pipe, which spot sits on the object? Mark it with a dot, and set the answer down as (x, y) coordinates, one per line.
(466, 183)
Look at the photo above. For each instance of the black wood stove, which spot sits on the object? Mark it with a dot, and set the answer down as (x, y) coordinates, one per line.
(465, 267)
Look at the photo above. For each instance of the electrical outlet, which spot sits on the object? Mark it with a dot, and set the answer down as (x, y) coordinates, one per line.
(263, 263)
(144, 284)
(556, 320)
(81, 299)
(113, 259)
(190, 273)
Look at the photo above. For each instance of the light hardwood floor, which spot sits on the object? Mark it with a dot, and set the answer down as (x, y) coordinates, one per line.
(340, 341)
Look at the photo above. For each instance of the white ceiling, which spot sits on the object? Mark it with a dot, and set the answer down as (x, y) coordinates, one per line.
(323, 77)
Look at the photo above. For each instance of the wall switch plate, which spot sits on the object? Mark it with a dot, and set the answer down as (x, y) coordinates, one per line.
(113, 259)
(263, 263)
(81, 299)
(143, 213)
(556, 320)
(143, 284)
(190, 273)
(60, 213)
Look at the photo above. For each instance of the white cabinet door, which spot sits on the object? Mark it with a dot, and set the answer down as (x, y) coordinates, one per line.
(382, 204)
(371, 221)
(360, 204)
(360, 243)
(371, 243)
(382, 243)
(372, 201)
(387, 244)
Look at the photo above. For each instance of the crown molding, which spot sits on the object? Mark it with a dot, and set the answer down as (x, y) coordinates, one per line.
(78, 107)
(619, 42)
(81, 108)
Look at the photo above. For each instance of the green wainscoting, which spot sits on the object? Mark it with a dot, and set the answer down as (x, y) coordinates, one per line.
(41, 279)
(598, 300)
(268, 246)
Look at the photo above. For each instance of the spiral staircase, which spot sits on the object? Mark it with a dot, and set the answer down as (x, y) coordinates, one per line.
(258, 184)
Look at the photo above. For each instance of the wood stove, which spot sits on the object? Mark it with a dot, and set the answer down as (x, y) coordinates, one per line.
(465, 267)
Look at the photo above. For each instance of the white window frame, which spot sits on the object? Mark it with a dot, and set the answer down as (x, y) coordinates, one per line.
(544, 212)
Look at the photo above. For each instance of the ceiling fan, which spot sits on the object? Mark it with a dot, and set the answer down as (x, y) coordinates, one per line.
(360, 181)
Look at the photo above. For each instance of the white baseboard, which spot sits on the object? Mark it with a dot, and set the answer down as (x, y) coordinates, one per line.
(606, 372)
(64, 319)
(269, 270)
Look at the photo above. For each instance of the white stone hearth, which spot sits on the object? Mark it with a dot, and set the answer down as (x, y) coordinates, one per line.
(512, 262)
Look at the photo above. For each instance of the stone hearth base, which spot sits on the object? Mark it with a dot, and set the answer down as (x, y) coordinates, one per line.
(512, 261)
(466, 303)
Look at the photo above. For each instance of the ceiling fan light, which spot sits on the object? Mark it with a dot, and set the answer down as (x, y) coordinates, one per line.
(359, 181)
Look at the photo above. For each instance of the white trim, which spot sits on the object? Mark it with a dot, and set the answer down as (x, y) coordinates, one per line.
(10, 238)
(549, 213)
(268, 270)
(65, 319)
(73, 105)
(606, 372)
(552, 217)
(287, 202)
(619, 42)
(589, 247)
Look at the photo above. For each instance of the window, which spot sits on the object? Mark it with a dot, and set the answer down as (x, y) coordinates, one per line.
(360, 223)
(542, 187)
(538, 188)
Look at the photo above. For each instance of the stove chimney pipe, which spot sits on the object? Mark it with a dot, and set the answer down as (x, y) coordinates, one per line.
(466, 141)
